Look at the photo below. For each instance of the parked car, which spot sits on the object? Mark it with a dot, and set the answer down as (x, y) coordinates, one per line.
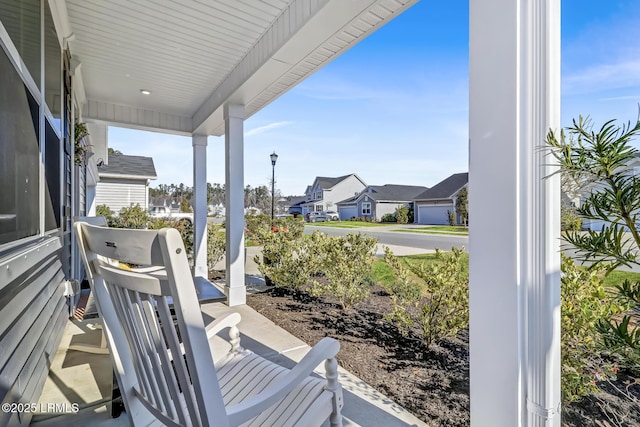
(332, 216)
(165, 212)
(316, 217)
(322, 216)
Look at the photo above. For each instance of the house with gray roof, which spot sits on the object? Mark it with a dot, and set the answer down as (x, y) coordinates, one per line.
(124, 181)
(293, 204)
(375, 201)
(325, 192)
(433, 205)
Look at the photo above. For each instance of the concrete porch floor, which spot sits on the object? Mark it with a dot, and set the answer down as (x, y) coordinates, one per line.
(85, 379)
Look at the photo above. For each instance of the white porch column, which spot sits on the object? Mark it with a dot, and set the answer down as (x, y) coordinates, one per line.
(514, 98)
(234, 197)
(199, 143)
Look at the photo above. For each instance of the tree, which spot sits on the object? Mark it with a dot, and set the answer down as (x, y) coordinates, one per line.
(112, 151)
(215, 194)
(601, 163)
(462, 205)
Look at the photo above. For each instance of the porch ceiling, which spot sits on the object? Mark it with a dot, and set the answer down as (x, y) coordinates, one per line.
(195, 55)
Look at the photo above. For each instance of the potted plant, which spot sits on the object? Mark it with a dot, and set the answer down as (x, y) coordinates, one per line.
(80, 148)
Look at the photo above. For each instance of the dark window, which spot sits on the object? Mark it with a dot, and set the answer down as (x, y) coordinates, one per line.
(21, 19)
(19, 156)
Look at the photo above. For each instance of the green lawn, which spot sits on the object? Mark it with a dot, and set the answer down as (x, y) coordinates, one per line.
(437, 229)
(348, 224)
(617, 277)
(383, 274)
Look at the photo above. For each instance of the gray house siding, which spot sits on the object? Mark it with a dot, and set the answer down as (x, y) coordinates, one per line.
(378, 208)
(333, 190)
(33, 313)
(341, 191)
(35, 250)
(121, 193)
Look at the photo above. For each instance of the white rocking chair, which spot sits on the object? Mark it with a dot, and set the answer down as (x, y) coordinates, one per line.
(165, 369)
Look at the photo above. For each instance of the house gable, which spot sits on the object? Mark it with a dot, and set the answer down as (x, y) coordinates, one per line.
(124, 181)
(325, 193)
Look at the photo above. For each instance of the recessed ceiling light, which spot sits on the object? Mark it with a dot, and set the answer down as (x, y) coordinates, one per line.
(145, 92)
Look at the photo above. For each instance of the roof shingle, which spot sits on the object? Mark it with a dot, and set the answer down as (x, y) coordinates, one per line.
(121, 164)
(445, 189)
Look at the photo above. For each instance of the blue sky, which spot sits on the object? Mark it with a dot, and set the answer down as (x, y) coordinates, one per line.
(394, 109)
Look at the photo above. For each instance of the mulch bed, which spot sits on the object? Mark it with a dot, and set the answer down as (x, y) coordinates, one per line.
(431, 383)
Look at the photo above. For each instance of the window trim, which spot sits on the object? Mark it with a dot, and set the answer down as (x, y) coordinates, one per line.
(8, 48)
(368, 204)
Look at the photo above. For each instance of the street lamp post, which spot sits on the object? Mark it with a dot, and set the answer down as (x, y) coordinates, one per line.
(274, 157)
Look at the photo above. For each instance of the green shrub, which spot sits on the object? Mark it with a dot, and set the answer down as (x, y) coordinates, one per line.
(432, 299)
(402, 215)
(186, 232)
(388, 217)
(569, 218)
(345, 262)
(132, 217)
(216, 244)
(286, 262)
(584, 305)
(622, 335)
(103, 210)
(158, 223)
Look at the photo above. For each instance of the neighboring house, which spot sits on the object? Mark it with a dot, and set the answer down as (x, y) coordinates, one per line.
(124, 181)
(325, 193)
(216, 210)
(433, 205)
(293, 204)
(377, 200)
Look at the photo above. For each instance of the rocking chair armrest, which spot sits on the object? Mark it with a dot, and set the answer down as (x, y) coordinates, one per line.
(326, 349)
(227, 321)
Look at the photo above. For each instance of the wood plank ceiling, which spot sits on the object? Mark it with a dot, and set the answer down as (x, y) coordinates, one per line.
(194, 55)
(179, 50)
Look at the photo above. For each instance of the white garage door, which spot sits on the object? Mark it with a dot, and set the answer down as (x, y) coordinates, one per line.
(347, 212)
(434, 214)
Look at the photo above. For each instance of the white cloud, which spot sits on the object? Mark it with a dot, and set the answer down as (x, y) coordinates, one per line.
(266, 128)
(601, 77)
(620, 98)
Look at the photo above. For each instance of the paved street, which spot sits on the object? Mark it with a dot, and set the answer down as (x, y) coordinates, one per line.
(395, 238)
